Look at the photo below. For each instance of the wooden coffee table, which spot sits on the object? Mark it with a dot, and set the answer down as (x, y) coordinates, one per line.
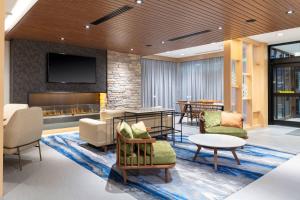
(217, 142)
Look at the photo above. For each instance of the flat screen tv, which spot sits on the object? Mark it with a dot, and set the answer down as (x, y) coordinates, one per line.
(63, 68)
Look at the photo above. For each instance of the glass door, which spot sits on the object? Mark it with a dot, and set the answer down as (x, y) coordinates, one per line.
(286, 92)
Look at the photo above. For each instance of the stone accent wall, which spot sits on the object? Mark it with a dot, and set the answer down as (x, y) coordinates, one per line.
(123, 80)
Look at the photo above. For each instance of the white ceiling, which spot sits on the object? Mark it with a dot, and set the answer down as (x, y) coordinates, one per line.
(15, 10)
(288, 35)
(9, 4)
(277, 37)
(193, 51)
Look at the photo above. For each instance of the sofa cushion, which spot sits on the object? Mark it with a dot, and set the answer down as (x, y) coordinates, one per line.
(109, 114)
(162, 151)
(238, 132)
(232, 119)
(212, 118)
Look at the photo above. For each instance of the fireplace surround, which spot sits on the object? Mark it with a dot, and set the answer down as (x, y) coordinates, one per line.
(66, 106)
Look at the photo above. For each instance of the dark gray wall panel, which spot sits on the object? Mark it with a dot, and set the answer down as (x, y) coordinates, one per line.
(29, 69)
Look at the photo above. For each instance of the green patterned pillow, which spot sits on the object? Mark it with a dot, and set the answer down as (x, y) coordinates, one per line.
(125, 131)
(139, 131)
(212, 118)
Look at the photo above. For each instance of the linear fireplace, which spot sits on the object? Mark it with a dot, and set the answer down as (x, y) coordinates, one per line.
(66, 106)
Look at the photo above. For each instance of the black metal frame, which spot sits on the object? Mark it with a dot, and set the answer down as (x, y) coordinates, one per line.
(136, 116)
(271, 63)
(19, 152)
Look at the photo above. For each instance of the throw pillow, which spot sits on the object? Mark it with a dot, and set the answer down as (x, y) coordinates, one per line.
(139, 130)
(212, 118)
(125, 131)
(232, 119)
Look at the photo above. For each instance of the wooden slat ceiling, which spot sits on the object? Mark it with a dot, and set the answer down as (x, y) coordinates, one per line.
(152, 22)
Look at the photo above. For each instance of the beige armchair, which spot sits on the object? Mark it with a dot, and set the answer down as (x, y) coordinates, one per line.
(10, 109)
(23, 130)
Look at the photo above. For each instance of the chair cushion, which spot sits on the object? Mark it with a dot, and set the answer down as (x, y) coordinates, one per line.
(232, 119)
(212, 118)
(238, 132)
(162, 151)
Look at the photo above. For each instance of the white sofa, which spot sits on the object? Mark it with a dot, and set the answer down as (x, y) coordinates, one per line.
(100, 132)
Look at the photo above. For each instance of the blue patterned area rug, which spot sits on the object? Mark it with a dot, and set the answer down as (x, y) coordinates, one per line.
(190, 179)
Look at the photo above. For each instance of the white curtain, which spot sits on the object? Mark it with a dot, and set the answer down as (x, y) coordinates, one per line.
(158, 83)
(163, 83)
(202, 79)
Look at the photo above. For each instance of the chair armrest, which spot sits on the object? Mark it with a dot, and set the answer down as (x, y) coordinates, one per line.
(202, 123)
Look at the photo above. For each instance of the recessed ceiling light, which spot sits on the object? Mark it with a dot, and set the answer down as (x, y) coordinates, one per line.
(62, 38)
(279, 34)
(290, 12)
(87, 26)
(220, 28)
(131, 49)
(251, 20)
(139, 1)
(162, 42)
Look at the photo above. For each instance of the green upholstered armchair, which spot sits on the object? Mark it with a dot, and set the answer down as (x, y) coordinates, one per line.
(135, 153)
(211, 122)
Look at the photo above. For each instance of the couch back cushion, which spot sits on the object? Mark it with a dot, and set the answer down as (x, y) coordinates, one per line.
(109, 114)
(212, 118)
(232, 119)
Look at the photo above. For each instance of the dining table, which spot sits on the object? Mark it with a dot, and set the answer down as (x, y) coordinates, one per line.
(187, 108)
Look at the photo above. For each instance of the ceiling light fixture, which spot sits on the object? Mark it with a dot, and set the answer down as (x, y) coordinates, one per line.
(62, 38)
(18, 11)
(131, 49)
(220, 28)
(279, 34)
(139, 1)
(163, 42)
(87, 26)
(251, 20)
(290, 12)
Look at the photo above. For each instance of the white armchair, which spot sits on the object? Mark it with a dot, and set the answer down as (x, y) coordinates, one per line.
(23, 131)
(10, 109)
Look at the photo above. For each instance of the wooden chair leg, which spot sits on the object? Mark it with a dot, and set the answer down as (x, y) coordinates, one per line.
(39, 146)
(124, 176)
(105, 149)
(19, 155)
(167, 175)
